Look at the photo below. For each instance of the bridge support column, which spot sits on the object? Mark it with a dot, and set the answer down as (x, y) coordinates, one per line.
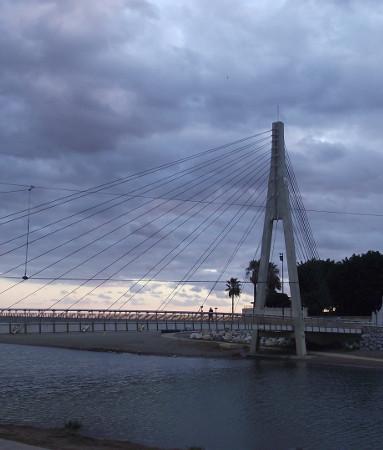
(278, 208)
(254, 344)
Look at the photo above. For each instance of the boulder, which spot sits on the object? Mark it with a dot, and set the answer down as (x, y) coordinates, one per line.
(196, 336)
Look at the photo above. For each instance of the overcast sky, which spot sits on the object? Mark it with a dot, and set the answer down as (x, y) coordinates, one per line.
(95, 90)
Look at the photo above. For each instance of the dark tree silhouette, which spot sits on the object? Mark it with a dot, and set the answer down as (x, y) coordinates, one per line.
(273, 280)
(353, 286)
(314, 282)
(233, 287)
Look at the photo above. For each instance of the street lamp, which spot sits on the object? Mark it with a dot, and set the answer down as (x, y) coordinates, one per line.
(281, 259)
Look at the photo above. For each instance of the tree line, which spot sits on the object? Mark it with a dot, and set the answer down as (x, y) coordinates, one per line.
(352, 286)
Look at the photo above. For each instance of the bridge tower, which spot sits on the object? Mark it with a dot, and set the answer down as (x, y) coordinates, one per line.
(278, 208)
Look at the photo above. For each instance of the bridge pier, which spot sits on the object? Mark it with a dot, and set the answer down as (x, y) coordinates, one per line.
(254, 344)
(278, 208)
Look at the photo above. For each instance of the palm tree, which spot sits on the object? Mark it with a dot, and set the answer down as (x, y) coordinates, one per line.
(233, 287)
(273, 280)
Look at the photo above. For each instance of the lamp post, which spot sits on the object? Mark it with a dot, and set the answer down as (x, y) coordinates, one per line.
(281, 259)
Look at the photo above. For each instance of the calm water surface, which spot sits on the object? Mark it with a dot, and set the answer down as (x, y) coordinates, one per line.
(181, 402)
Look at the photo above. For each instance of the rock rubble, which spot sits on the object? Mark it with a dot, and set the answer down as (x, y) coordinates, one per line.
(239, 337)
(372, 339)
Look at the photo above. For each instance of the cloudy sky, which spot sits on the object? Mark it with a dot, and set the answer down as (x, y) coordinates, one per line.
(96, 90)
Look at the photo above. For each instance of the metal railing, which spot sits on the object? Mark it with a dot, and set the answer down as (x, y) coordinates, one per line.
(141, 316)
(28, 321)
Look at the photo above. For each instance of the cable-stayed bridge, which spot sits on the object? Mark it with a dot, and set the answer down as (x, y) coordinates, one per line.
(171, 234)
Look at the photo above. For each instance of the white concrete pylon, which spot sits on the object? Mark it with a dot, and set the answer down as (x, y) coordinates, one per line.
(278, 208)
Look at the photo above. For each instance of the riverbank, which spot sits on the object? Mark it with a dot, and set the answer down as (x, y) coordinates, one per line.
(61, 439)
(178, 344)
(145, 343)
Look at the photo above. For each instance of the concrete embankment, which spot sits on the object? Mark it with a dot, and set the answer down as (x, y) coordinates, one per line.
(18, 437)
(6, 444)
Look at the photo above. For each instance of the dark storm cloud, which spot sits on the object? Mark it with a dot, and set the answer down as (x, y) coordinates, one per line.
(94, 90)
(86, 77)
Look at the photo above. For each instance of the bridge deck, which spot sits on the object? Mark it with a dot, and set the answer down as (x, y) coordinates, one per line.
(68, 321)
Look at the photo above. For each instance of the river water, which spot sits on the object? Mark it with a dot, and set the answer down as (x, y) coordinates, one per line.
(182, 402)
